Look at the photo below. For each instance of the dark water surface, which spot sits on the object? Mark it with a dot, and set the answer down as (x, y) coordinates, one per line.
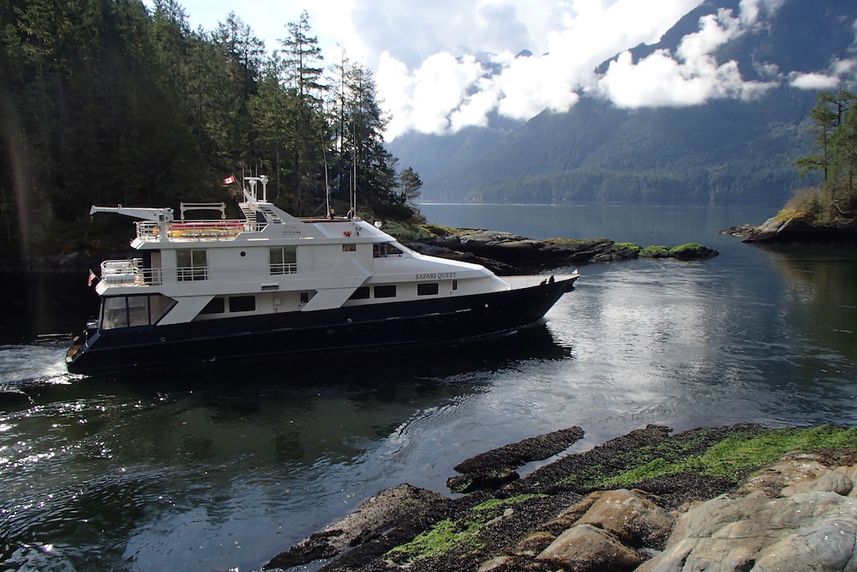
(219, 470)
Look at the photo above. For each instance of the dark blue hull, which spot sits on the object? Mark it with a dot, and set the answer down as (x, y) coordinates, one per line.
(377, 326)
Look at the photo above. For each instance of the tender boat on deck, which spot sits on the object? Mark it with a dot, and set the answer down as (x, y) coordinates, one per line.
(272, 285)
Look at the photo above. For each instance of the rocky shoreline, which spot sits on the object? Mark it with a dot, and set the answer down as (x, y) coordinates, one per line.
(718, 498)
(506, 253)
(794, 229)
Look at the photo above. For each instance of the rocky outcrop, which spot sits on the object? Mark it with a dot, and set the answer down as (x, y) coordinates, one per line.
(496, 467)
(387, 515)
(507, 253)
(794, 516)
(794, 229)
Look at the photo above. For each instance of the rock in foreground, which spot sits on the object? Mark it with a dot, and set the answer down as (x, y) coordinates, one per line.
(638, 501)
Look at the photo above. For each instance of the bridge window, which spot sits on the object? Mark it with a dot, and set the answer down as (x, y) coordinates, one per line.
(384, 250)
(191, 265)
(127, 311)
(283, 260)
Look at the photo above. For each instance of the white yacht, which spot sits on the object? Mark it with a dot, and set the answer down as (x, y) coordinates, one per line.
(214, 291)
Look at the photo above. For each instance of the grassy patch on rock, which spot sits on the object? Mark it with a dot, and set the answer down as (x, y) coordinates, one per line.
(655, 251)
(737, 456)
(439, 539)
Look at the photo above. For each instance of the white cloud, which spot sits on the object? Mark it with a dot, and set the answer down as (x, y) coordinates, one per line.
(814, 81)
(572, 38)
(840, 73)
(692, 77)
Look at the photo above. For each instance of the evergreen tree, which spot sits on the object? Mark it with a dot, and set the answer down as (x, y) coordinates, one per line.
(411, 184)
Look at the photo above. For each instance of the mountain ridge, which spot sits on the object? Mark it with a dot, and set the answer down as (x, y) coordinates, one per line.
(724, 151)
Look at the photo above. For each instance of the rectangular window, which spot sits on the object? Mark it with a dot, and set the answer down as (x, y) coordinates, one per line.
(429, 289)
(307, 296)
(388, 291)
(138, 310)
(242, 303)
(191, 265)
(126, 311)
(283, 260)
(384, 250)
(455, 284)
(349, 248)
(217, 305)
(114, 313)
(361, 293)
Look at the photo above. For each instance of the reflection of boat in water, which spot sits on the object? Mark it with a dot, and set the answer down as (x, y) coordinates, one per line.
(274, 285)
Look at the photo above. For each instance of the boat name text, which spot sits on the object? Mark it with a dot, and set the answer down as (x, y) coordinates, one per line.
(436, 276)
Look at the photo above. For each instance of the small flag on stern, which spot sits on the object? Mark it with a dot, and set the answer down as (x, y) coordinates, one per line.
(229, 180)
(92, 278)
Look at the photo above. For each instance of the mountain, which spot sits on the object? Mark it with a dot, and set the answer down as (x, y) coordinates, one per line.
(724, 151)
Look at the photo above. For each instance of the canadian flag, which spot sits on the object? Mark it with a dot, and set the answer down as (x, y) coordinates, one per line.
(229, 180)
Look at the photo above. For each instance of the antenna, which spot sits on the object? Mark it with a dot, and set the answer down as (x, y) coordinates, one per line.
(326, 183)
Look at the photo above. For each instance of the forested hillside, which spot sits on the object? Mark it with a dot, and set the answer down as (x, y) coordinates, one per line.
(104, 101)
(724, 151)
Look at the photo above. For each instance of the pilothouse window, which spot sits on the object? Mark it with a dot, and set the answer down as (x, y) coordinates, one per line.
(125, 311)
(384, 250)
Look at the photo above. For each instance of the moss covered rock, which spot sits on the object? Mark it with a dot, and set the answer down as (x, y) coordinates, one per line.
(692, 251)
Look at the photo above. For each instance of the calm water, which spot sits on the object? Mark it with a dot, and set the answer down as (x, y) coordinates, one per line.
(204, 472)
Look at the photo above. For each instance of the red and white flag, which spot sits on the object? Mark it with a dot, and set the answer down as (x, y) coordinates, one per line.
(229, 180)
(92, 278)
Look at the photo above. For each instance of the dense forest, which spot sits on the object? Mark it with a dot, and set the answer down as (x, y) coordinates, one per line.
(106, 102)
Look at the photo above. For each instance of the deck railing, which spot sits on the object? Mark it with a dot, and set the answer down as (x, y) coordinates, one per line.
(129, 273)
(196, 230)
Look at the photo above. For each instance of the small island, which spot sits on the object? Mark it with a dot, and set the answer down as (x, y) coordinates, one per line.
(827, 212)
(507, 253)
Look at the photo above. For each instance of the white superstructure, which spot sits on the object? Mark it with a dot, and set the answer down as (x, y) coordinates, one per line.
(268, 262)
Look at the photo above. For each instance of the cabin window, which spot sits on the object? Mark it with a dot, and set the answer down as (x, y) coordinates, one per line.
(361, 293)
(138, 310)
(384, 250)
(388, 291)
(125, 311)
(242, 303)
(427, 289)
(217, 305)
(191, 265)
(349, 247)
(455, 284)
(283, 260)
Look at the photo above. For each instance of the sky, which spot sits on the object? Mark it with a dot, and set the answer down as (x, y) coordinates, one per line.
(444, 65)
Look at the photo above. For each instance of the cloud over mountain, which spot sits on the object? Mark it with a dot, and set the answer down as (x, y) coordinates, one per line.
(452, 89)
